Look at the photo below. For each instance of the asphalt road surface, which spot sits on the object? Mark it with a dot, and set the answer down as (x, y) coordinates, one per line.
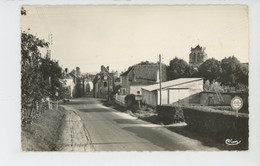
(110, 130)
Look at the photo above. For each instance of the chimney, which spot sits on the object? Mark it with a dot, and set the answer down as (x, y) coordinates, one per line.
(102, 68)
(77, 71)
(107, 68)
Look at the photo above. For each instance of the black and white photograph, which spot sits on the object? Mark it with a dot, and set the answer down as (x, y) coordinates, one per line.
(129, 82)
(134, 78)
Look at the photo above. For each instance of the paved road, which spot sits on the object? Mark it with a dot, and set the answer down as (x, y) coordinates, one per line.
(110, 130)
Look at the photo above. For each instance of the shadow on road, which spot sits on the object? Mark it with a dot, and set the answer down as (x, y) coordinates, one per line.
(160, 140)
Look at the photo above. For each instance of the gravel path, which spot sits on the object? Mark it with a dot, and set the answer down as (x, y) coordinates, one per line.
(74, 135)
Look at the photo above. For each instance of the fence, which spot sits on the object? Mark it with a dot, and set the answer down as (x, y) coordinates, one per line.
(211, 98)
(32, 111)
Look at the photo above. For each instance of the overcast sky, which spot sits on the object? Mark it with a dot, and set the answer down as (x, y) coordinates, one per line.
(120, 36)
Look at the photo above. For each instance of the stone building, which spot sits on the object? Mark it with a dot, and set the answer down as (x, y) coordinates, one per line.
(197, 56)
(139, 76)
(103, 83)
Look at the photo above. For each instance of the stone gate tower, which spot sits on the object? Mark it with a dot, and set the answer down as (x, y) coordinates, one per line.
(197, 55)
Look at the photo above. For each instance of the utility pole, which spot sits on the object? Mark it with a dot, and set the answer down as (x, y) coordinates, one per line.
(50, 40)
(160, 78)
(108, 90)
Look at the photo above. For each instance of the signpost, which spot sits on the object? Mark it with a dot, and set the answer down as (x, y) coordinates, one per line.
(138, 98)
(237, 104)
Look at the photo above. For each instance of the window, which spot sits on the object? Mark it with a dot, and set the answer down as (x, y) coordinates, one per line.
(123, 91)
(105, 84)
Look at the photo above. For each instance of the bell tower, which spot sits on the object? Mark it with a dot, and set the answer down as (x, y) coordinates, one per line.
(197, 56)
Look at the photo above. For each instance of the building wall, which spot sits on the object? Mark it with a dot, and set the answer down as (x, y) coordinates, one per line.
(70, 83)
(135, 88)
(171, 95)
(164, 96)
(125, 89)
(197, 56)
(149, 97)
(180, 96)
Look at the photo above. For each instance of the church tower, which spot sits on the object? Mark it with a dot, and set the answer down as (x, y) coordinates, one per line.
(197, 56)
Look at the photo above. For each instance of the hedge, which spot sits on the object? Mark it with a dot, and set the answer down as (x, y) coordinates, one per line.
(130, 100)
(217, 124)
(170, 113)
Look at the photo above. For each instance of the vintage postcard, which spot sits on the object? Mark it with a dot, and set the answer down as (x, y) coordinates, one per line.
(134, 78)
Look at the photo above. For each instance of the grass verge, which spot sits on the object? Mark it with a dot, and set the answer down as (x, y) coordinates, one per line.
(144, 113)
(43, 134)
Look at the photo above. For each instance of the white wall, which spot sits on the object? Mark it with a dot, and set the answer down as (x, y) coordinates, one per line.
(69, 82)
(177, 93)
(164, 96)
(135, 88)
(149, 98)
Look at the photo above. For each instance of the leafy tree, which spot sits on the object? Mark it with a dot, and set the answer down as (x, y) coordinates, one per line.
(52, 73)
(178, 68)
(243, 74)
(23, 11)
(191, 71)
(146, 63)
(210, 69)
(231, 68)
(32, 82)
(39, 76)
(116, 88)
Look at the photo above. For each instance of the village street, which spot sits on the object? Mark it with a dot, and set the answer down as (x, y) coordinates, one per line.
(110, 130)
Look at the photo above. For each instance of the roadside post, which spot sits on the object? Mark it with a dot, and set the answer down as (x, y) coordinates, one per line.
(236, 104)
(138, 97)
(57, 94)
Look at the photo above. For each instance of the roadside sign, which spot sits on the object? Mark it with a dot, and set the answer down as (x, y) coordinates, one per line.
(236, 104)
(138, 97)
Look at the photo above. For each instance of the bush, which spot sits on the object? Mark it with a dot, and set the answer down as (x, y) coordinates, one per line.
(135, 108)
(130, 100)
(170, 113)
(218, 125)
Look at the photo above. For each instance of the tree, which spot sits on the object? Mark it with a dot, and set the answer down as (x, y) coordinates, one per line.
(23, 11)
(231, 68)
(243, 74)
(210, 70)
(191, 71)
(32, 82)
(52, 73)
(39, 76)
(146, 63)
(117, 88)
(178, 68)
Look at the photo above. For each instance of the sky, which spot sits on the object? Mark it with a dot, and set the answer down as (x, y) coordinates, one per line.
(121, 36)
